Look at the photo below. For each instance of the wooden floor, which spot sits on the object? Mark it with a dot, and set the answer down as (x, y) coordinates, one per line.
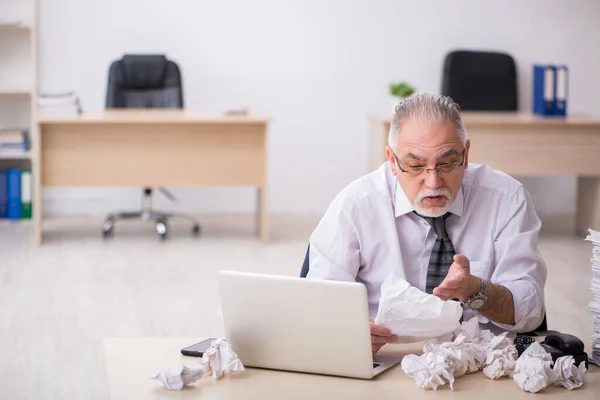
(58, 302)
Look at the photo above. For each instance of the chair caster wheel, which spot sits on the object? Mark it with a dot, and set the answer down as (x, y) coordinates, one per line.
(161, 229)
(108, 228)
(196, 229)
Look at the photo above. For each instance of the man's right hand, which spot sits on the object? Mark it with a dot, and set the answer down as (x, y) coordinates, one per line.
(380, 336)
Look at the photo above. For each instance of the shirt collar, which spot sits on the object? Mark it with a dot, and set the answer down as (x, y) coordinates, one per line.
(402, 206)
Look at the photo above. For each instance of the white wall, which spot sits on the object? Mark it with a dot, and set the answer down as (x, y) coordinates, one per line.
(317, 66)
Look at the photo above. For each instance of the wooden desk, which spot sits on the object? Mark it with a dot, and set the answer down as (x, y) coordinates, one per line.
(151, 148)
(131, 362)
(526, 145)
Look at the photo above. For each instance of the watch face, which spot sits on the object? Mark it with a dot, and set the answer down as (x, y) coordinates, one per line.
(477, 303)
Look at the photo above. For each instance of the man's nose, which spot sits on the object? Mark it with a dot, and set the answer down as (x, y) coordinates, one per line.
(432, 179)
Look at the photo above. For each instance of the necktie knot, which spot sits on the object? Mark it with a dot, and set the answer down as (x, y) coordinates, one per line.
(439, 225)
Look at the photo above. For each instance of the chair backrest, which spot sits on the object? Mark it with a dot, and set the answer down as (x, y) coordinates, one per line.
(144, 81)
(480, 80)
(305, 264)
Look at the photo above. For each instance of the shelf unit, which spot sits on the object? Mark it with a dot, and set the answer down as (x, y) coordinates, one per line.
(19, 74)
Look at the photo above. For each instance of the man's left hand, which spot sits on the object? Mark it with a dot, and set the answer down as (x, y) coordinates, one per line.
(459, 283)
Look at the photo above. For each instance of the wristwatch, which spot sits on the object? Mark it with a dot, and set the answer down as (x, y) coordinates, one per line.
(478, 300)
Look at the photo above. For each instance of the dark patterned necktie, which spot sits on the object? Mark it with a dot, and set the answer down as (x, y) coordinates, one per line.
(442, 254)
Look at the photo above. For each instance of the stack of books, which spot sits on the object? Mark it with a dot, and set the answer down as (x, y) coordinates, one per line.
(594, 305)
(14, 140)
(67, 103)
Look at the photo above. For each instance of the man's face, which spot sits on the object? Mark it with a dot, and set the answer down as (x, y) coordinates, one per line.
(420, 146)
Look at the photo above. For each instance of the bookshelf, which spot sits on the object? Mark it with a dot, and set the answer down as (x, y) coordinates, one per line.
(19, 77)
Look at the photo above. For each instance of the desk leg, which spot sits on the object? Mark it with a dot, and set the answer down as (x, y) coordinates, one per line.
(262, 215)
(38, 221)
(588, 204)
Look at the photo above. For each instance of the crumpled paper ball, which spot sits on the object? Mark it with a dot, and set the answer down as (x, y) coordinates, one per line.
(469, 350)
(567, 373)
(219, 360)
(501, 357)
(533, 370)
(175, 378)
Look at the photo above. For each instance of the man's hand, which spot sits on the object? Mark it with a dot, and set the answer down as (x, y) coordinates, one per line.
(459, 283)
(380, 336)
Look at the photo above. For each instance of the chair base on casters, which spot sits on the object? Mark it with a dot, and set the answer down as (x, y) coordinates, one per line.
(147, 214)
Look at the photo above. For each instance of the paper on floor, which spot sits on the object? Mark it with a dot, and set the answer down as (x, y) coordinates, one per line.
(219, 360)
(411, 313)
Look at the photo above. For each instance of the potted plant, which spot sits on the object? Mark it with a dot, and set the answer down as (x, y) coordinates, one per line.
(400, 91)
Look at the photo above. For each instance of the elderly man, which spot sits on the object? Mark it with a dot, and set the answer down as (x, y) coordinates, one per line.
(454, 230)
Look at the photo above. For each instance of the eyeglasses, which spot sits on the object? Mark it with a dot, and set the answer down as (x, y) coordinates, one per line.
(442, 169)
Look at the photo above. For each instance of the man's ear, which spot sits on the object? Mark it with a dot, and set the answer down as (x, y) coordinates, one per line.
(467, 148)
(392, 160)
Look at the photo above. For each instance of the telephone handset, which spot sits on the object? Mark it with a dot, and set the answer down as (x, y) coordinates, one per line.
(558, 344)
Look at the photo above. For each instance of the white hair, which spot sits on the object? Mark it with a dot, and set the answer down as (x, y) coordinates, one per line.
(429, 108)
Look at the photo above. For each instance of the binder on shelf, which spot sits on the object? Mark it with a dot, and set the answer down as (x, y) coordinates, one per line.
(544, 77)
(562, 81)
(3, 195)
(14, 193)
(26, 194)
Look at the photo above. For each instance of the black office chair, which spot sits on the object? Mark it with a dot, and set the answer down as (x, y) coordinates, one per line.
(306, 264)
(145, 81)
(480, 80)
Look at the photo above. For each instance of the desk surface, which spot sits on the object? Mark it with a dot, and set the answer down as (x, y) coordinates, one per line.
(136, 116)
(130, 362)
(475, 118)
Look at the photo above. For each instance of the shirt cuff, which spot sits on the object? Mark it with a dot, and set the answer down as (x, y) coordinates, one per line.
(529, 307)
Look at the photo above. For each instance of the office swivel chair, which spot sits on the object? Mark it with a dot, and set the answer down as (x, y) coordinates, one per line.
(480, 80)
(306, 264)
(145, 81)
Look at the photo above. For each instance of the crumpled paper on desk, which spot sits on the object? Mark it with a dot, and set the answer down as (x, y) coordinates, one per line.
(501, 357)
(219, 360)
(533, 370)
(411, 313)
(567, 373)
(469, 350)
(175, 378)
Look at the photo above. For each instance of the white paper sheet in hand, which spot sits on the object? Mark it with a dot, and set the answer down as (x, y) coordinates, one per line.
(410, 312)
(219, 360)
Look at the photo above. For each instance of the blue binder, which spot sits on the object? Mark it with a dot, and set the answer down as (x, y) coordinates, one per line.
(3, 195)
(544, 89)
(561, 91)
(14, 193)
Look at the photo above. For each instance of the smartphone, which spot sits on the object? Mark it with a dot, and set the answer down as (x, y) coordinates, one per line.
(198, 349)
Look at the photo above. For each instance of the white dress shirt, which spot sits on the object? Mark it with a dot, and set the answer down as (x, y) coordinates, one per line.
(369, 230)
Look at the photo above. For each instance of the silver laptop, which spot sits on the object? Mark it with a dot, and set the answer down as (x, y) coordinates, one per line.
(298, 324)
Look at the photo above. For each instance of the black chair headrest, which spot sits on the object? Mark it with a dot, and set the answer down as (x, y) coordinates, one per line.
(144, 71)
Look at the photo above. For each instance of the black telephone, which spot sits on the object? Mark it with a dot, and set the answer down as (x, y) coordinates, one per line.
(557, 344)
